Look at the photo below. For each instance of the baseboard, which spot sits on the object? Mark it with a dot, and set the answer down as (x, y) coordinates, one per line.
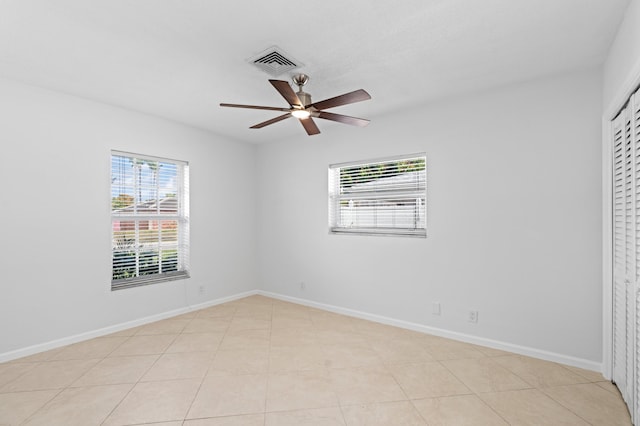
(467, 338)
(53, 344)
(221, 300)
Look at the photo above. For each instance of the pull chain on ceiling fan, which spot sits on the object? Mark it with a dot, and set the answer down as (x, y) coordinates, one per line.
(304, 110)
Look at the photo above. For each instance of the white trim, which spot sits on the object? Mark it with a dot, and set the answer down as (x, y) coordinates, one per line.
(614, 107)
(495, 344)
(222, 300)
(131, 264)
(31, 350)
(626, 89)
(410, 187)
(607, 252)
(379, 160)
(467, 338)
(147, 157)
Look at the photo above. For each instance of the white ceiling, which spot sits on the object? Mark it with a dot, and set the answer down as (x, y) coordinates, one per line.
(179, 59)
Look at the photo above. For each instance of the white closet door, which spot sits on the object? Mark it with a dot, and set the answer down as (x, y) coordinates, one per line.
(632, 132)
(630, 191)
(620, 366)
(626, 254)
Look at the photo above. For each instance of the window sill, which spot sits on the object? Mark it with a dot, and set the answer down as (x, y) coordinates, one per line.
(147, 280)
(380, 232)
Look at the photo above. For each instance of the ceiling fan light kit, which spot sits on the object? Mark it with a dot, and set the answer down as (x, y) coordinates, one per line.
(301, 113)
(301, 107)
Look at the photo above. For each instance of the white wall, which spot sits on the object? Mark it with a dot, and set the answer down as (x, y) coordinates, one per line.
(55, 247)
(513, 216)
(622, 67)
(513, 203)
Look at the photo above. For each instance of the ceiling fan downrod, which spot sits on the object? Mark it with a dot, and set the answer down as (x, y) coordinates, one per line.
(300, 80)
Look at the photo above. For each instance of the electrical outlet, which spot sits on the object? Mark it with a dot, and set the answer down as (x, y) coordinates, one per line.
(201, 289)
(473, 316)
(302, 285)
(436, 308)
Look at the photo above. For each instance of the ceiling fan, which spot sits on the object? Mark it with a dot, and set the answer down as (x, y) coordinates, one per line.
(304, 110)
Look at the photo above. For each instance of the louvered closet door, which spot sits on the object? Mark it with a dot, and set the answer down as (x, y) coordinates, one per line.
(626, 254)
(630, 198)
(632, 132)
(620, 163)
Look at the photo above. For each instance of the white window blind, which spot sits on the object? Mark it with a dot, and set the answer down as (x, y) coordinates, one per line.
(149, 220)
(380, 197)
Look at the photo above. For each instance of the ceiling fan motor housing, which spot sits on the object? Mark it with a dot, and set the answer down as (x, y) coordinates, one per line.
(304, 97)
(300, 80)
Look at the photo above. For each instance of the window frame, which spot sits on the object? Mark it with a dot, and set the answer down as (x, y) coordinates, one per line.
(181, 217)
(336, 196)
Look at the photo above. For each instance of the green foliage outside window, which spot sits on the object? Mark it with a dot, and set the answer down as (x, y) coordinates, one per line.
(366, 173)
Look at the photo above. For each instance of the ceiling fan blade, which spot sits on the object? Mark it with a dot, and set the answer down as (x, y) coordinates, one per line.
(273, 120)
(348, 98)
(254, 107)
(310, 126)
(287, 92)
(354, 121)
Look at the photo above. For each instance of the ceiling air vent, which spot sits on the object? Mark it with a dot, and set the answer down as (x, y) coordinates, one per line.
(274, 61)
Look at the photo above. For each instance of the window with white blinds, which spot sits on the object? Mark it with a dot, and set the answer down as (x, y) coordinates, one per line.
(381, 197)
(149, 220)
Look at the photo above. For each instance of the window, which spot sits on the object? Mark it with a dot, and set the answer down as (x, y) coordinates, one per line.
(149, 220)
(382, 197)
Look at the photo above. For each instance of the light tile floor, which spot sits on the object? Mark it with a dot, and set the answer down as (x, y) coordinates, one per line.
(260, 361)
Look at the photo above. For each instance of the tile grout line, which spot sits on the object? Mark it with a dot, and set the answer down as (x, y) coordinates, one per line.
(474, 393)
(266, 391)
(35, 365)
(139, 379)
(68, 386)
(204, 377)
(564, 405)
(43, 405)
